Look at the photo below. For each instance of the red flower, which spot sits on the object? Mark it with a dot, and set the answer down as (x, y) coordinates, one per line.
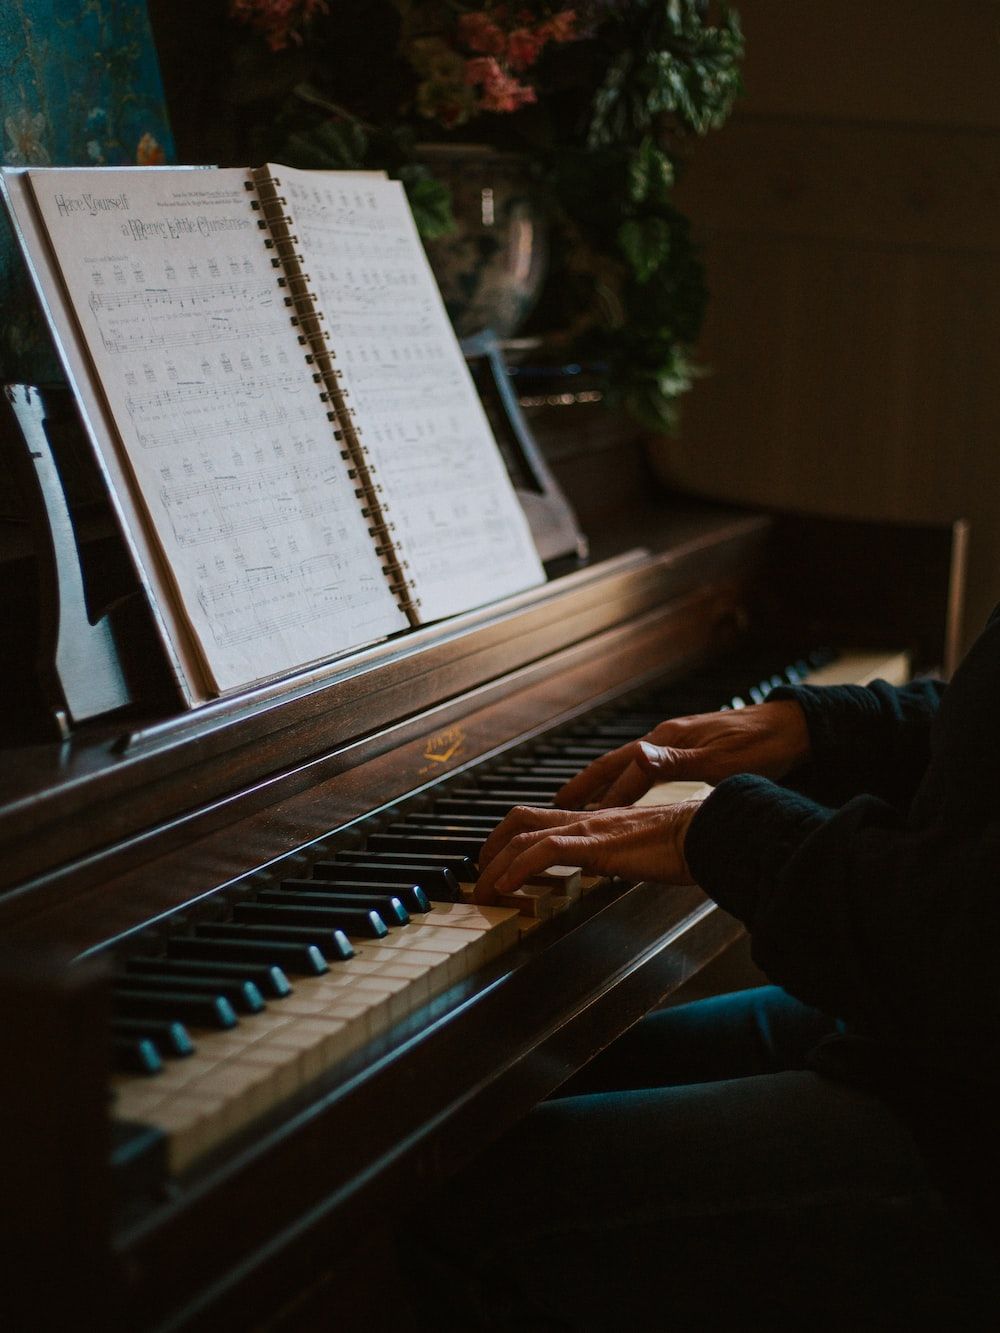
(148, 152)
(523, 48)
(480, 33)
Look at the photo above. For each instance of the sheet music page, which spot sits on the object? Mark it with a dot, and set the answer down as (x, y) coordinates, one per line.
(458, 523)
(223, 428)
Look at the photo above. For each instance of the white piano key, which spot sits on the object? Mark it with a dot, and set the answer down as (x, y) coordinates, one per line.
(236, 1076)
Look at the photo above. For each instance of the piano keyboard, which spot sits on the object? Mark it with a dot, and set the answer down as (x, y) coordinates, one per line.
(235, 1016)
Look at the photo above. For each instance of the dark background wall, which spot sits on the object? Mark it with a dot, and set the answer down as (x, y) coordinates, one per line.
(851, 215)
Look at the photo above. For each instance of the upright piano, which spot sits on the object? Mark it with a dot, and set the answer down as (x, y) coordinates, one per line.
(156, 858)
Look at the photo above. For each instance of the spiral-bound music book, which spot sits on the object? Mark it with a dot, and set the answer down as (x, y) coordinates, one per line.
(284, 416)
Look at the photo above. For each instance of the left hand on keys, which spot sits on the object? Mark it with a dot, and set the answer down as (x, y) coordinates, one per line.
(634, 842)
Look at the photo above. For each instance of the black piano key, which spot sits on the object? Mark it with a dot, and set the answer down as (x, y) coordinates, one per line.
(529, 777)
(456, 826)
(290, 956)
(416, 842)
(242, 995)
(303, 893)
(462, 867)
(573, 752)
(544, 765)
(610, 736)
(494, 810)
(332, 945)
(410, 895)
(478, 832)
(356, 920)
(135, 1055)
(170, 1039)
(433, 820)
(518, 782)
(269, 979)
(437, 882)
(211, 1011)
(509, 795)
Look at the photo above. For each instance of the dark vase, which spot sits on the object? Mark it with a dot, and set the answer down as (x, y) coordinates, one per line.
(490, 270)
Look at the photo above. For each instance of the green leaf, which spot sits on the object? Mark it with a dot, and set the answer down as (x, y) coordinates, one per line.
(645, 243)
(430, 202)
(330, 145)
(650, 174)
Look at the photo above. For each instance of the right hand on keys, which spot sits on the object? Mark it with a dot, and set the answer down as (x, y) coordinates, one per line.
(768, 739)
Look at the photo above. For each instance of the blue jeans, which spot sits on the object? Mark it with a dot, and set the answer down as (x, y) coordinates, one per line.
(697, 1176)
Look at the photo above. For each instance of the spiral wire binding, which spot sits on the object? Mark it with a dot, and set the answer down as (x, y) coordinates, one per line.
(308, 321)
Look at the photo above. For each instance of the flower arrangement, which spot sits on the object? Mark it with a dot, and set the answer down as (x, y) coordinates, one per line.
(481, 65)
(603, 98)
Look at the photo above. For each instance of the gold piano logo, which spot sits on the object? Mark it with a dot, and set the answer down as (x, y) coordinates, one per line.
(444, 748)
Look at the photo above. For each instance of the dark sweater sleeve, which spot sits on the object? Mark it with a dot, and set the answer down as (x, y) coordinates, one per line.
(865, 738)
(888, 927)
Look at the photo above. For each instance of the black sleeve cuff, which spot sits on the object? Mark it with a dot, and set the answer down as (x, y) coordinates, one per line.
(864, 738)
(743, 835)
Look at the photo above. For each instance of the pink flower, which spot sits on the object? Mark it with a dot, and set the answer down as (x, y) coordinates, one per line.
(482, 69)
(505, 94)
(480, 33)
(500, 91)
(523, 48)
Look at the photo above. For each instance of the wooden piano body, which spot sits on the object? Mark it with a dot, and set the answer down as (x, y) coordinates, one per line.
(130, 829)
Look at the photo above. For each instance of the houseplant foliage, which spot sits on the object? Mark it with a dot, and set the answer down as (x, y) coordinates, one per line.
(603, 98)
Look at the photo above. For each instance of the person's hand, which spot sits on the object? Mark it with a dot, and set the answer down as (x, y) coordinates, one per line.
(634, 843)
(767, 739)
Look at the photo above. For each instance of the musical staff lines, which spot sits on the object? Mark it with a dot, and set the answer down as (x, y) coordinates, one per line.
(218, 508)
(272, 599)
(144, 317)
(182, 414)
